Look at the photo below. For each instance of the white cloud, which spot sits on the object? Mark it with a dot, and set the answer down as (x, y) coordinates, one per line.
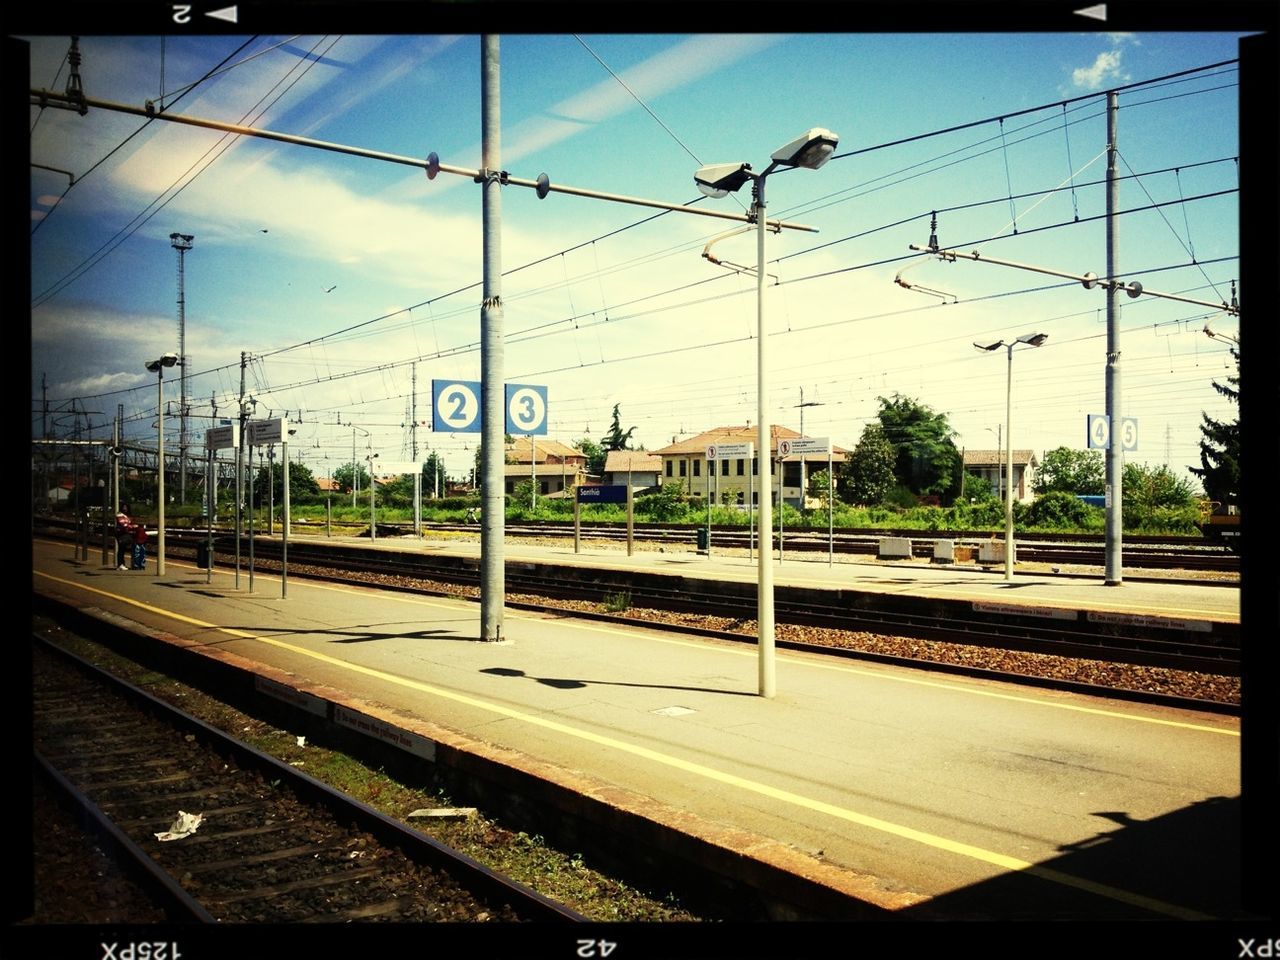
(1105, 68)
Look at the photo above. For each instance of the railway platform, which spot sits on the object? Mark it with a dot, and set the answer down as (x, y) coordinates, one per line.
(858, 791)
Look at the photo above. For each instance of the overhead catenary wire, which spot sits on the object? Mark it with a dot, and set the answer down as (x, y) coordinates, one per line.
(436, 299)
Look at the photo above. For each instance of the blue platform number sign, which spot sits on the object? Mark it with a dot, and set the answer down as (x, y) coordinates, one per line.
(455, 406)
(1099, 431)
(526, 409)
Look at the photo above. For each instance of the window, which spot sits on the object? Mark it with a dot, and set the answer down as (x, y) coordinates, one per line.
(711, 468)
(684, 466)
(668, 468)
(697, 468)
(741, 465)
(755, 466)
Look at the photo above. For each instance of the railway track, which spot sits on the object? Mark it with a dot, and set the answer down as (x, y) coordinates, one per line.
(1197, 554)
(1174, 653)
(1153, 670)
(273, 845)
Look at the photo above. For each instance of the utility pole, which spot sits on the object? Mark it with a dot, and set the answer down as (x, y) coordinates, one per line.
(493, 582)
(244, 416)
(1115, 455)
(182, 243)
(802, 405)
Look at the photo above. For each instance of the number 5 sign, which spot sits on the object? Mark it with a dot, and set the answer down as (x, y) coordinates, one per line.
(526, 409)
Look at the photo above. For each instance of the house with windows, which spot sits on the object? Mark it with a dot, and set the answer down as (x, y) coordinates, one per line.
(553, 466)
(639, 468)
(990, 466)
(737, 480)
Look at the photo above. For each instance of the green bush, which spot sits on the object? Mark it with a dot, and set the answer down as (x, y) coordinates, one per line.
(1058, 510)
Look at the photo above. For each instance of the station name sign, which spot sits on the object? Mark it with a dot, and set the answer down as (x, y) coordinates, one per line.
(600, 493)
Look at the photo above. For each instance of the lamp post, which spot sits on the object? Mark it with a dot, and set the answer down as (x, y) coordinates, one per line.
(1031, 340)
(157, 367)
(810, 151)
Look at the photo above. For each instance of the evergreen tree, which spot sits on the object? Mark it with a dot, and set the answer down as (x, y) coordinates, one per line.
(616, 438)
(1219, 469)
(866, 477)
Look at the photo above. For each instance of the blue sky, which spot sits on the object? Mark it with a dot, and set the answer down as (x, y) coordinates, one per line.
(608, 310)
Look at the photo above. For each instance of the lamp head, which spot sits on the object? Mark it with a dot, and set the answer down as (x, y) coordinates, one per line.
(720, 179)
(1034, 339)
(810, 150)
(994, 346)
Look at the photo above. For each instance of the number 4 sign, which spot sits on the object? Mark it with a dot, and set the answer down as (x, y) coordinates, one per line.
(1099, 428)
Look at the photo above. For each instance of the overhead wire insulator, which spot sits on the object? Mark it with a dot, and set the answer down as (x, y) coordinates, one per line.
(75, 90)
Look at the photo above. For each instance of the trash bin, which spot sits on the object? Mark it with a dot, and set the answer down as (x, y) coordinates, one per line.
(704, 539)
(203, 555)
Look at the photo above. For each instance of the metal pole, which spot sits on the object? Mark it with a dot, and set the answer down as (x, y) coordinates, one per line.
(1008, 469)
(355, 470)
(251, 518)
(782, 486)
(831, 510)
(764, 576)
(630, 516)
(160, 472)
(1115, 454)
(373, 517)
(271, 488)
(492, 514)
(211, 497)
(533, 473)
(240, 469)
(284, 529)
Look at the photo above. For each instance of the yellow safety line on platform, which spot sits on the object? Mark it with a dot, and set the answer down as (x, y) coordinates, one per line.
(697, 769)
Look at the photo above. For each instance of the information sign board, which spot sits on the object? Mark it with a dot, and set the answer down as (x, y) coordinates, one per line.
(261, 432)
(601, 493)
(219, 438)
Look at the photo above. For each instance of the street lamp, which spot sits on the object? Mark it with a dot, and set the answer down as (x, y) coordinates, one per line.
(157, 367)
(810, 151)
(1031, 340)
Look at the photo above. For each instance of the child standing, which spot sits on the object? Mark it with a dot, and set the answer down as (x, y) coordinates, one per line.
(139, 546)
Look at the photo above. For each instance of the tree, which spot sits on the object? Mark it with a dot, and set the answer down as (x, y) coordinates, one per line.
(926, 460)
(1219, 469)
(820, 486)
(344, 474)
(301, 483)
(1072, 471)
(433, 476)
(594, 453)
(616, 438)
(1149, 488)
(867, 475)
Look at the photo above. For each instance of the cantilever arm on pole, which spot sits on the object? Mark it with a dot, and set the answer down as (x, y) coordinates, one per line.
(1088, 280)
(432, 165)
(727, 264)
(943, 295)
